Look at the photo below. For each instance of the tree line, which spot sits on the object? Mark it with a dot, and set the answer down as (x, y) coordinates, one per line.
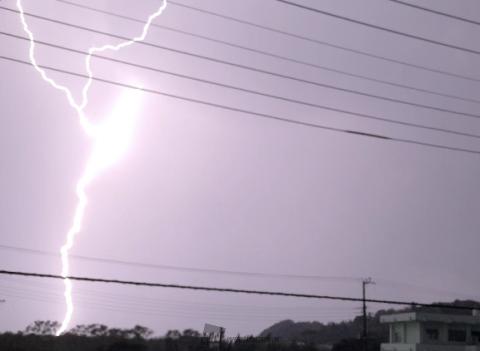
(40, 336)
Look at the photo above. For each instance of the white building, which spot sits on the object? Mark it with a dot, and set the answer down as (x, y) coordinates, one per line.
(422, 331)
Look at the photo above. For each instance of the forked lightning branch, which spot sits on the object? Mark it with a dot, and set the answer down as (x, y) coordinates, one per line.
(109, 139)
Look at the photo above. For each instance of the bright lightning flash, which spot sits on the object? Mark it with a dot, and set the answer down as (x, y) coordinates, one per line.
(110, 138)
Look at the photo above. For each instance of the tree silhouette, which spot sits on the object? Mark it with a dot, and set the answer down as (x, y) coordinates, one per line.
(43, 328)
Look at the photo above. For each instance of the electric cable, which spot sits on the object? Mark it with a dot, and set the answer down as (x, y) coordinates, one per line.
(323, 43)
(273, 55)
(381, 28)
(252, 113)
(232, 290)
(254, 69)
(251, 91)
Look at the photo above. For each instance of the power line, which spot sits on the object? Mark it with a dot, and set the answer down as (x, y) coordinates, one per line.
(436, 12)
(425, 289)
(324, 43)
(181, 268)
(21, 285)
(249, 112)
(276, 56)
(252, 113)
(231, 290)
(140, 300)
(257, 70)
(256, 92)
(192, 310)
(166, 308)
(22, 289)
(385, 29)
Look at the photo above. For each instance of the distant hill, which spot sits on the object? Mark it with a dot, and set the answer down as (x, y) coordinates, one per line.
(332, 333)
(320, 333)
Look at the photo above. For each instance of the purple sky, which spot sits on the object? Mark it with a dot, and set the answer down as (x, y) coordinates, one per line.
(202, 187)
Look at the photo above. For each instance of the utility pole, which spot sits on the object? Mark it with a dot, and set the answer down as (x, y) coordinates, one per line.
(365, 282)
(220, 340)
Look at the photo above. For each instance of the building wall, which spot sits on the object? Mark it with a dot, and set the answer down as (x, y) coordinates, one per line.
(423, 347)
(412, 335)
(405, 333)
(412, 332)
(398, 333)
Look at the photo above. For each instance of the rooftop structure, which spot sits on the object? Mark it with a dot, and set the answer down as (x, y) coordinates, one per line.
(424, 331)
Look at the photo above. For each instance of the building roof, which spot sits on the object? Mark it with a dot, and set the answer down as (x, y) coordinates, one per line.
(430, 317)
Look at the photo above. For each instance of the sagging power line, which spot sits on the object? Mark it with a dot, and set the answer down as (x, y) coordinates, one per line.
(182, 268)
(249, 112)
(33, 290)
(436, 12)
(257, 70)
(381, 28)
(231, 290)
(251, 91)
(276, 56)
(324, 43)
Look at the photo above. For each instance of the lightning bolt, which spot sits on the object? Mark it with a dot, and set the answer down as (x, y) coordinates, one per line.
(109, 139)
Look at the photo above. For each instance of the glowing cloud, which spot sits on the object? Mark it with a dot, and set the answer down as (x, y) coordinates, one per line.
(110, 138)
(114, 134)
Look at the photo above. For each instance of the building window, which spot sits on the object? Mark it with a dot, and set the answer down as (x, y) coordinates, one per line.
(432, 334)
(457, 335)
(476, 336)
